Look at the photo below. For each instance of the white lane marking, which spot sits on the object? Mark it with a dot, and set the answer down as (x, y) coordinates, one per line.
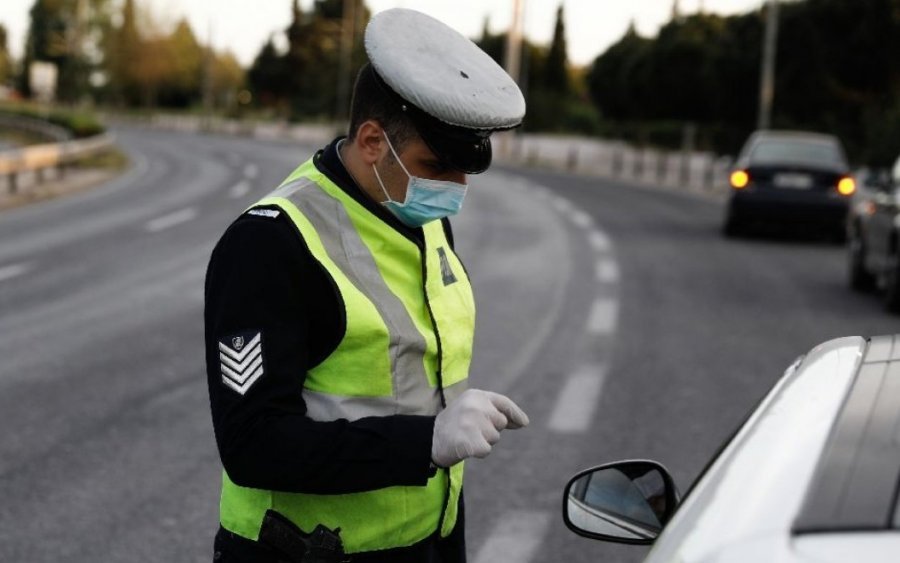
(581, 219)
(240, 189)
(516, 538)
(561, 205)
(251, 171)
(599, 241)
(602, 319)
(607, 271)
(170, 220)
(13, 270)
(576, 403)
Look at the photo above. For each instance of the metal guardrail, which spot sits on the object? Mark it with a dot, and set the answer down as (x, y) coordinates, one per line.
(34, 125)
(38, 158)
(681, 170)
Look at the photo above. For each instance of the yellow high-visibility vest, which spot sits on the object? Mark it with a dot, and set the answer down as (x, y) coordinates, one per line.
(410, 320)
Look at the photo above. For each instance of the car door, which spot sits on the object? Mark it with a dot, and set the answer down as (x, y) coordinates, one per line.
(883, 222)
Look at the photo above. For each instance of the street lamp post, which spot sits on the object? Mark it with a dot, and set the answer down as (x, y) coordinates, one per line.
(767, 73)
(514, 42)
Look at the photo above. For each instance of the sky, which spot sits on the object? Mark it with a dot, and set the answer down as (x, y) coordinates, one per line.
(242, 26)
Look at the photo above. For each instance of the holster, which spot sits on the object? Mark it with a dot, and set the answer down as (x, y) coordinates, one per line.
(296, 546)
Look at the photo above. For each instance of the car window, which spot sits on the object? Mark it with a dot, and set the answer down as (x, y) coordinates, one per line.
(797, 151)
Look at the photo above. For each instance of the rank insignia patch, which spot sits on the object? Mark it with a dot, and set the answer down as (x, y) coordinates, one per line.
(240, 360)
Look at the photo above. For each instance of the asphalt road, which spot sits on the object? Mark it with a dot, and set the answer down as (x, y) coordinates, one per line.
(617, 317)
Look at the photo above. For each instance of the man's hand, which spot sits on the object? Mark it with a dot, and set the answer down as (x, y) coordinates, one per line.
(471, 424)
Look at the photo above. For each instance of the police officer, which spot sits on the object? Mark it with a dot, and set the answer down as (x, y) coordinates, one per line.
(339, 321)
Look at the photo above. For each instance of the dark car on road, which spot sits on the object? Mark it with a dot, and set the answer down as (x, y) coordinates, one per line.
(873, 231)
(790, 180)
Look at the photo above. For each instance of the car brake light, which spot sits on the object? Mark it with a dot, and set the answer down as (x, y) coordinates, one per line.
(847, 186)
(739, 179)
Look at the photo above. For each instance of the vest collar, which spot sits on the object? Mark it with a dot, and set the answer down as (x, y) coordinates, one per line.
(328, 163)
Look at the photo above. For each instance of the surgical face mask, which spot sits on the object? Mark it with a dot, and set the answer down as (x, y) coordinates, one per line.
(426, 200)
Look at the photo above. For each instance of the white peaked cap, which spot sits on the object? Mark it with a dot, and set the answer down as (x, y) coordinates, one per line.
(442, 72)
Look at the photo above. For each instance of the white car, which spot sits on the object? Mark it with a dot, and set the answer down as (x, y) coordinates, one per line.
(813, 475)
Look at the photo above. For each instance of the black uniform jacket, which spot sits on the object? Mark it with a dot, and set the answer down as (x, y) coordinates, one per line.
(262, 279)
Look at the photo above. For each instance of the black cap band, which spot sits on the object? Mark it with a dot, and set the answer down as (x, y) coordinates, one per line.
(460, 148)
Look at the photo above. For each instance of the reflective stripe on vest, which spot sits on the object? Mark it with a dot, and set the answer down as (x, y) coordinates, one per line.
(409, 331)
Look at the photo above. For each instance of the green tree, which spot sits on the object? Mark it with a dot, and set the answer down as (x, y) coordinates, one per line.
(228, 78)
(307, 76)
(267, 77)
(5, 59)
(123, 51)
(556, 73)
(186, 67)
(69, 34)
(619, 78)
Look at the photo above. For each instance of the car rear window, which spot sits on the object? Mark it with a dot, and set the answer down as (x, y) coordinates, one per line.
(797, 152)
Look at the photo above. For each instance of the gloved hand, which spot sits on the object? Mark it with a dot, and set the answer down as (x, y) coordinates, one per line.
(471, 424)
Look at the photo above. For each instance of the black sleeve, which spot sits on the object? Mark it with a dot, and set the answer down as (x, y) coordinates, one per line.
(262, 281)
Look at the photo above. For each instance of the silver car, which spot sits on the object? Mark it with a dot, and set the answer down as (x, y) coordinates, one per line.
(812, 475)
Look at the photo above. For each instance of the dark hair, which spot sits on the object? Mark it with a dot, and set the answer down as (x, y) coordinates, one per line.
(371, 101)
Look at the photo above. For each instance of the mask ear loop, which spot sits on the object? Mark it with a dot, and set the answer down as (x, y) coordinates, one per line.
(381, 184)
(377, 175)
(397, 156)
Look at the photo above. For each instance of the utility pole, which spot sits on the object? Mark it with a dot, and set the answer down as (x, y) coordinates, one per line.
(767, 73)
(514, 42)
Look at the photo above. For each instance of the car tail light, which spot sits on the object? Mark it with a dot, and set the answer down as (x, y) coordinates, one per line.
(847, 186)
(739, 179)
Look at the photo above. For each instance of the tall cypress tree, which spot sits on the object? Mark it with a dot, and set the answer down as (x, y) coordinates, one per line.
(5, 61)
(556, 74)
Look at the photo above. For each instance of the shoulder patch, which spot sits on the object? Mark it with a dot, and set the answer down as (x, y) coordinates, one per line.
(241, 360)
(270, 213)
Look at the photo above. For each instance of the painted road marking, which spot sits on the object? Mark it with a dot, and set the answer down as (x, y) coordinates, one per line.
(599, 241)
(13, 271)
(562, 205)
(240, 189)
(581, 219)
(251, 171)
(516, 538)
(607, 271)
(170, 220)
(602, 319)
(576, 403)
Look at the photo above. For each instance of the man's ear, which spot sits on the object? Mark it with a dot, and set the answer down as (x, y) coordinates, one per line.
(369, 141)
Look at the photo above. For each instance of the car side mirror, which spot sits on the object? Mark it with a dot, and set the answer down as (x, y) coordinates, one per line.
(624, 502)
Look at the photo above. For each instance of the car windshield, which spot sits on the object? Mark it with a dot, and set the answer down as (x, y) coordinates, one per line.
(797, 152)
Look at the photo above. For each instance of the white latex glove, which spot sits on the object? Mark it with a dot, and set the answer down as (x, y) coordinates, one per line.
(471, 424)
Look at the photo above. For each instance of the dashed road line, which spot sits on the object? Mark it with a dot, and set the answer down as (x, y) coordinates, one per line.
(581, 219)
(599, 241)
(170, 220)
(575, 405)
(13, 271)
(607, 271)
(603, 316)
(251, 171)
(561, 204)
(239, 190)
(516, 538)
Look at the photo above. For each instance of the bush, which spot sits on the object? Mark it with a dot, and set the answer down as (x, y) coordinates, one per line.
(81, 124)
